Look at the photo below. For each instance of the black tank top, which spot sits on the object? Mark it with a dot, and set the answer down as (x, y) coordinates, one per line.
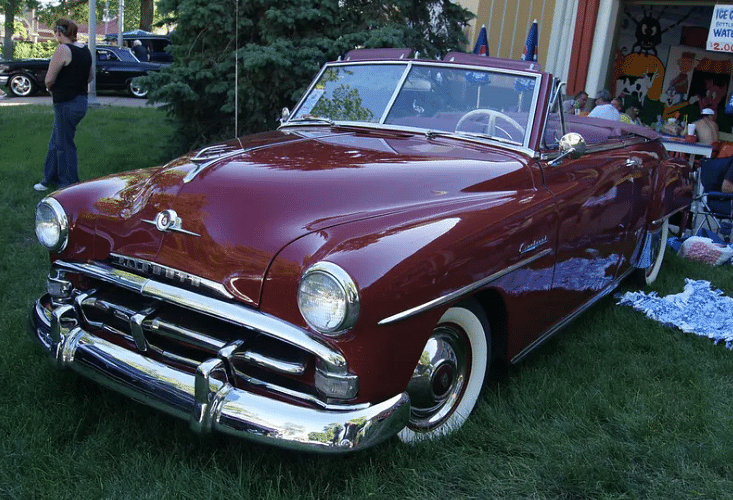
(73, 78)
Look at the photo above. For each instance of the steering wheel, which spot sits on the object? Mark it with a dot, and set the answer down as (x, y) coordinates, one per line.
(491, 126)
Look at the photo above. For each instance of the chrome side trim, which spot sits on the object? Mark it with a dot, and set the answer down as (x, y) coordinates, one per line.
(461, 292)
(333, 361)
(562, 324)
(210, 404)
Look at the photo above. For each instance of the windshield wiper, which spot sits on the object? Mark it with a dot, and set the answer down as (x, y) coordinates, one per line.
(486, 136)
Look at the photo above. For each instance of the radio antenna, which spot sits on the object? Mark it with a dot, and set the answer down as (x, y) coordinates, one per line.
(236, 69)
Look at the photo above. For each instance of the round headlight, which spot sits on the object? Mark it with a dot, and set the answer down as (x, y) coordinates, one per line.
(52, 225)
(328, 298)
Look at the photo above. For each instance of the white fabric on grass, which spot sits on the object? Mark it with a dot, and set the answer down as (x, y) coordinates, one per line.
(698, 309)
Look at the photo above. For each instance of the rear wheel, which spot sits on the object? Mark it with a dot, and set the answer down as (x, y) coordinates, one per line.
(448, 378)
(648, 275)
(22, 85)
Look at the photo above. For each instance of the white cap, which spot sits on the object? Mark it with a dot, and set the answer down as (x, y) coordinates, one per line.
(708, 111)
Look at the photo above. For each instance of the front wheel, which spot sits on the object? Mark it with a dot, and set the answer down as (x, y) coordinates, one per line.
(448, 378)
(136, 90)
(22, 85)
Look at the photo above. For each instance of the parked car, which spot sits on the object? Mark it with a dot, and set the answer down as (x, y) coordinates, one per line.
(154, 44)
(117, 69)
(352, 275)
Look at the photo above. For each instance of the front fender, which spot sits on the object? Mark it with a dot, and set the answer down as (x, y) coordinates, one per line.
(401, 262)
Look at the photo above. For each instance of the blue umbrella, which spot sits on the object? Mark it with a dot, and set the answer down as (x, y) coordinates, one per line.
(482, 43)
(529, 53)
(530, 46)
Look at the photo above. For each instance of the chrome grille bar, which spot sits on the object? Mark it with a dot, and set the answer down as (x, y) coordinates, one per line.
(332, 361)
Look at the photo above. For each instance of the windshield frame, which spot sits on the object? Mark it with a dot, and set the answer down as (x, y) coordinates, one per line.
(529, 96)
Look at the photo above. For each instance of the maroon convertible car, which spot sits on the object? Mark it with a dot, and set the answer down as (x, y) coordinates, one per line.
(352, 275)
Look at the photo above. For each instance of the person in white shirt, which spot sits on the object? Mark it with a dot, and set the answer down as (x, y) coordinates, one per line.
(604, 109)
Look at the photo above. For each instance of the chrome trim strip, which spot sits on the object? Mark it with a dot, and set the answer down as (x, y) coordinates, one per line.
(563, 323)
(203, 166)
(461, 291)
(271, 363)
(600, 148)
(149, 267)
(209, 404)
(334, 361)
(395, 93)
(180, 334)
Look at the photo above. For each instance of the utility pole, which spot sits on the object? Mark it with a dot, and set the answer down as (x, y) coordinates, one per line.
(120, 22)
(93, 50)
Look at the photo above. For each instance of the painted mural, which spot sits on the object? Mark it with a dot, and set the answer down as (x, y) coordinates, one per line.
(661, 65)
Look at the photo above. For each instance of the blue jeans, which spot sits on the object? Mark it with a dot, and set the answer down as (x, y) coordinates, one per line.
(61, 165)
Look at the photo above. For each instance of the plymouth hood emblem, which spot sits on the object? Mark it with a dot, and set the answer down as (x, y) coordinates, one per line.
(168, 220)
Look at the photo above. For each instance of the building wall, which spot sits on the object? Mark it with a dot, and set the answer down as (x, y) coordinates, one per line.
(508, 21)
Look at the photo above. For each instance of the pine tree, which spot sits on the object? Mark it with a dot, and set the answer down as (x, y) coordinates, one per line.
(279, 46)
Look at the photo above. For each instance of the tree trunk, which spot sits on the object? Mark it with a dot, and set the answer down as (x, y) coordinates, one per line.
(146, 15)
(10, 6)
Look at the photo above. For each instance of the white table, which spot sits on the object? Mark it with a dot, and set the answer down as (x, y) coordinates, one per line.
(691, 148)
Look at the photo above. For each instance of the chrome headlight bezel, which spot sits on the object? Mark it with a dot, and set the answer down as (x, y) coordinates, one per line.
(324, 286)
(52, 225)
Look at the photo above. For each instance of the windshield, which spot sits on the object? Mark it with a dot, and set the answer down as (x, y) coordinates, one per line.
(467, 101)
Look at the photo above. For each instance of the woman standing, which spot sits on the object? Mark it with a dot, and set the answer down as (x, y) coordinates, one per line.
(69, 74)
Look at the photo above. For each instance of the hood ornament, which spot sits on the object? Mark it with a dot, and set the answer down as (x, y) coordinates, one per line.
(168, 220)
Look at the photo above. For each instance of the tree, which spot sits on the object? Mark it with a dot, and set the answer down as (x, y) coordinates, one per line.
(280, 46)
(78, 10)
(147, 9)
(10, 9)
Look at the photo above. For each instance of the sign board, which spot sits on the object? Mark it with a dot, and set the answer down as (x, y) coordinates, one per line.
(720, 36)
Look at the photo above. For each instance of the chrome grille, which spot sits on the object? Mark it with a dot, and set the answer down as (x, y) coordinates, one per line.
(186, 338)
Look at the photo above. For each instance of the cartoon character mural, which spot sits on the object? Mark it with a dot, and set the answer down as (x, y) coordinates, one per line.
(639, 74)
(709, 76)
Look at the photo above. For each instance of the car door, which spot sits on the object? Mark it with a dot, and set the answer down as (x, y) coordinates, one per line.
(108, 70)
(593, 195)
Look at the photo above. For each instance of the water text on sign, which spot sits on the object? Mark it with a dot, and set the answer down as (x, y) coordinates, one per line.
(720, 35)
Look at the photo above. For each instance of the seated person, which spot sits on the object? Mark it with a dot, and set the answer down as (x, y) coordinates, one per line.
(604, 108)
(577, 104)
(706, 128)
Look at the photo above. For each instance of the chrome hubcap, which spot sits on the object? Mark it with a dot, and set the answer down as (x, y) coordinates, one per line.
(21, 85)
(439, 378)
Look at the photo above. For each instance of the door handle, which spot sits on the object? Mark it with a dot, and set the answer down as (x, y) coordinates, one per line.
(633, 162)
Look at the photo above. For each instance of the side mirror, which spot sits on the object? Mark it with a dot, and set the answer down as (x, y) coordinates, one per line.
(572, 145)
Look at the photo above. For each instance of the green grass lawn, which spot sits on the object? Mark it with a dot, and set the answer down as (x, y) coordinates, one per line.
(617, 406)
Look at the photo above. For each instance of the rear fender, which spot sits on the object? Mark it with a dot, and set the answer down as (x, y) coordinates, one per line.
(671, 190)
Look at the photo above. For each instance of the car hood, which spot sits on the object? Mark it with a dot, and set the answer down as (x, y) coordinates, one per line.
(244, 202)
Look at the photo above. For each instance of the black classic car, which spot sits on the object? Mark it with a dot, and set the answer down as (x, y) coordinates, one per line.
(117, 69)
(154, 44)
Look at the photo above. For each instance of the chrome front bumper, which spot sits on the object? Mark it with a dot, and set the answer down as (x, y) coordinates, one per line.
(3, 80)
(207, 402)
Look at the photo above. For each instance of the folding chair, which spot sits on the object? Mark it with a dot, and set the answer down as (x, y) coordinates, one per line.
(712, 209)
